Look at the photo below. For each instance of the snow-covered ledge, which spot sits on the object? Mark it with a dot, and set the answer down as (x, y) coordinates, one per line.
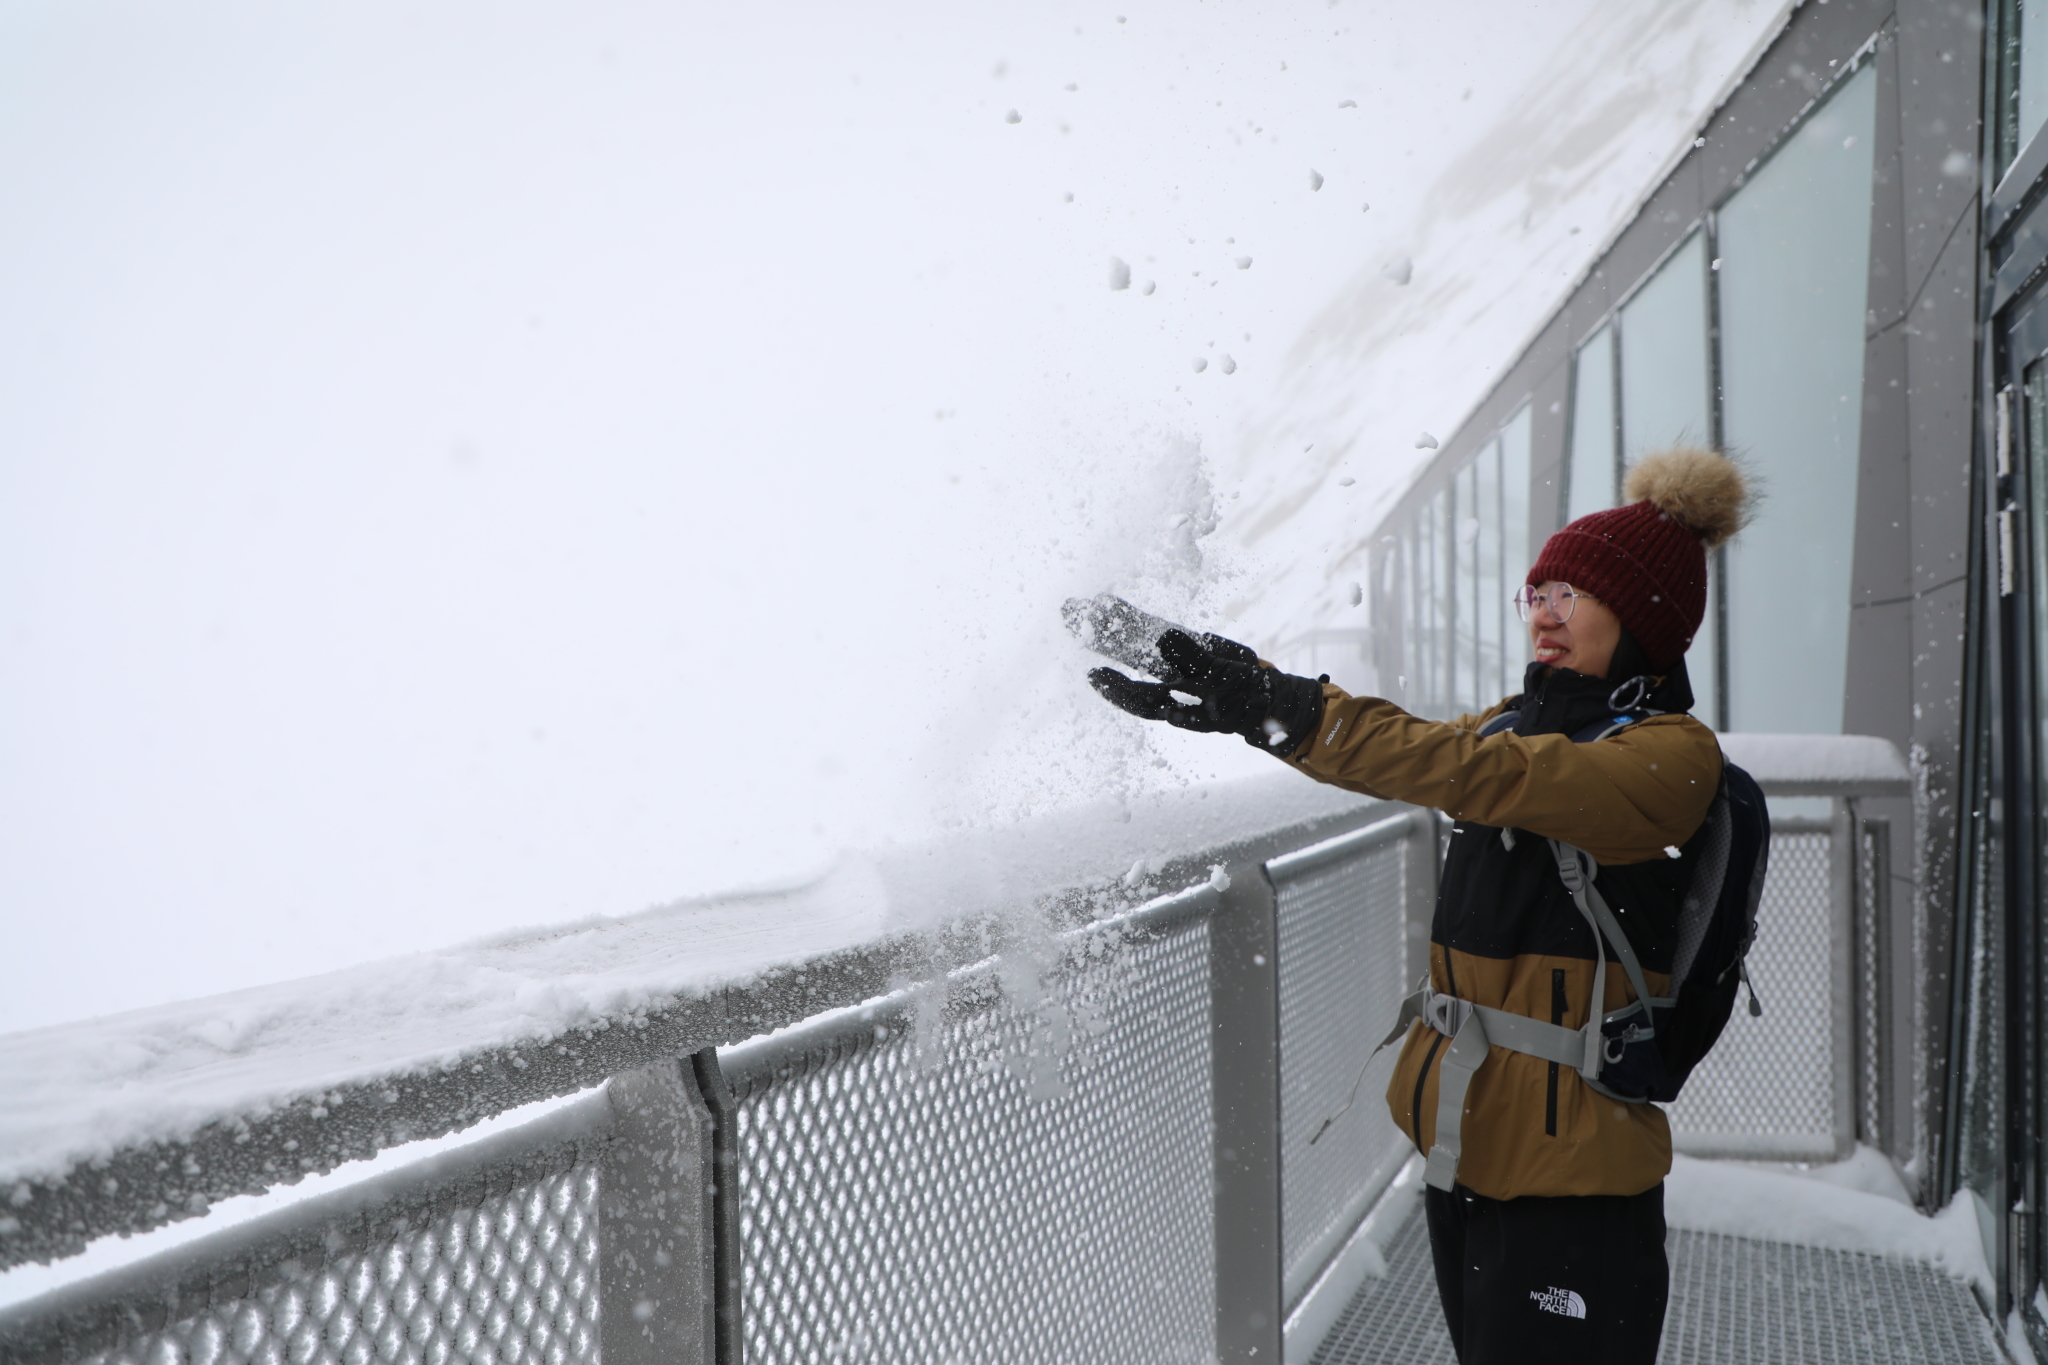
(1820, 765)
(127, 1122)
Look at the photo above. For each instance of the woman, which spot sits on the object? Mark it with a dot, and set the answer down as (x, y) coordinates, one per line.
(1550, 1243)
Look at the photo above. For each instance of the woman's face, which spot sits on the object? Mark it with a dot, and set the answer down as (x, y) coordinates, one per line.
(1585, 644)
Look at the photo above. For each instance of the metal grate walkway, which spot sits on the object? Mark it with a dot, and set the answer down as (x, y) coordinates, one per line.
(1733, 1302)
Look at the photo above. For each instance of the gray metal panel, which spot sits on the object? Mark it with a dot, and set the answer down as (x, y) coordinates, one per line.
(1887, 296)
(656, 1245)
(1547, 433)
(1940, 101)
(1245, 1002)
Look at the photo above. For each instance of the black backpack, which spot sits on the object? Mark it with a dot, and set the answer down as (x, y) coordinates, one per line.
(1652, 1044)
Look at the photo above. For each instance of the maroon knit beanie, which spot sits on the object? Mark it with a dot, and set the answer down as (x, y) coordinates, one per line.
(1647, 560)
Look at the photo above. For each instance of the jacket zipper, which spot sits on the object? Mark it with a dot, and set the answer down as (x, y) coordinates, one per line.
(1556, 1017)
(1415, 1109)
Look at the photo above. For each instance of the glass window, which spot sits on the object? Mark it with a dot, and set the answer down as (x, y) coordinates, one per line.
(1465, 615)
(1515, 553)
(1703, 660)
(1664, 357)
(1664, 402)
(1794, 245)
(1490, 600)
(2033, 73)
(1438, 645)
(1590, 481)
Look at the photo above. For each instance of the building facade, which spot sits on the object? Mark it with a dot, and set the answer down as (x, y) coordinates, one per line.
(1844, 283)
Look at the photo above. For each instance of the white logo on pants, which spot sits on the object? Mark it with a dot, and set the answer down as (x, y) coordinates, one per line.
(1560, 1301)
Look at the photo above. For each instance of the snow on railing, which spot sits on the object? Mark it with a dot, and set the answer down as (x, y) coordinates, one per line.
(125, 1123)
(1820, 765)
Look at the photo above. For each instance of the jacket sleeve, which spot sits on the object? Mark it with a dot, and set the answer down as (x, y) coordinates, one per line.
(1624, 799)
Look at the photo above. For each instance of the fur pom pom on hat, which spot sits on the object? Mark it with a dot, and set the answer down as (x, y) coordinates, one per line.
(1647, 559)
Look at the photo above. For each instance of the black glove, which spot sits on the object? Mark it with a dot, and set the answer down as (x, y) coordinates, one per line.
(1234, 694)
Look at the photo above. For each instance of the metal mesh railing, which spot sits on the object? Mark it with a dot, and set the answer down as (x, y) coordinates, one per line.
(1044, 1156)
(1343, 938)
(510, 1281)
(1029, 1182)
(1768, 1089)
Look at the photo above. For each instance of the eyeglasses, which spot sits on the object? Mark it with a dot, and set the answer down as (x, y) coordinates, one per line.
(1560, 601)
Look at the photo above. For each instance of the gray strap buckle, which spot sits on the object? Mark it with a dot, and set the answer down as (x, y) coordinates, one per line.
(1445, 1013)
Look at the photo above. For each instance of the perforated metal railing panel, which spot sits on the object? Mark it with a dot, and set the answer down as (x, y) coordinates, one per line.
(510, 1281)
(1032, 1184)
(1767, 1088)
(1343, 953)
(1734, 1301)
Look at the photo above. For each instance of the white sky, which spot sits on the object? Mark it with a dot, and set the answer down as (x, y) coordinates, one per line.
(480, 464)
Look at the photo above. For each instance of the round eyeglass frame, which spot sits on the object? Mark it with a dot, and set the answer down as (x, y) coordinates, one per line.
(1562, 603)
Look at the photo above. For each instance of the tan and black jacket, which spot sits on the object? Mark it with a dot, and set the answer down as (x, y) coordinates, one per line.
(1506, 932)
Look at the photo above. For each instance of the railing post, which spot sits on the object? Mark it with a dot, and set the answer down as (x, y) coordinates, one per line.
(1244, 985)
(1843, 855)
(725, 1201)
(657, 1249)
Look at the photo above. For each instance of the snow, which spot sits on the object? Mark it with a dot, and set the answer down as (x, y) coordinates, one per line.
(500, 503)
(1467, 272)
(1855, 1205)
(1868, 764)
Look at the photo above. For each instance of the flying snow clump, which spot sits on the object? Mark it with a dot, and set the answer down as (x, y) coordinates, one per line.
(1356, 594)
(1425, 442)
(1013, 117)
(1200, 364)
(1243, 262)
(1226, 364)
(1119, 274)
(1346, 481)
(1315, 180)
(1400, 270)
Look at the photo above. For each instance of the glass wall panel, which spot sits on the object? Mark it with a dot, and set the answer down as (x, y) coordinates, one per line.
(1465, 631)
(2033, 72)
(1703, 660)
(2036, 435)
(1442, 566)
(1490, 601)
(1516, 554)
(1664, 357)
(1590, 480)
(1417, 659)
(1795, 245)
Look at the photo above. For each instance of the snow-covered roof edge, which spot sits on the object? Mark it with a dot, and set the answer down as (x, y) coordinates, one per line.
(1461, 440)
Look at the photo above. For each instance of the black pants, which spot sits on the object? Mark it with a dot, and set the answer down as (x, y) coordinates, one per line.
(1580, 1280)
